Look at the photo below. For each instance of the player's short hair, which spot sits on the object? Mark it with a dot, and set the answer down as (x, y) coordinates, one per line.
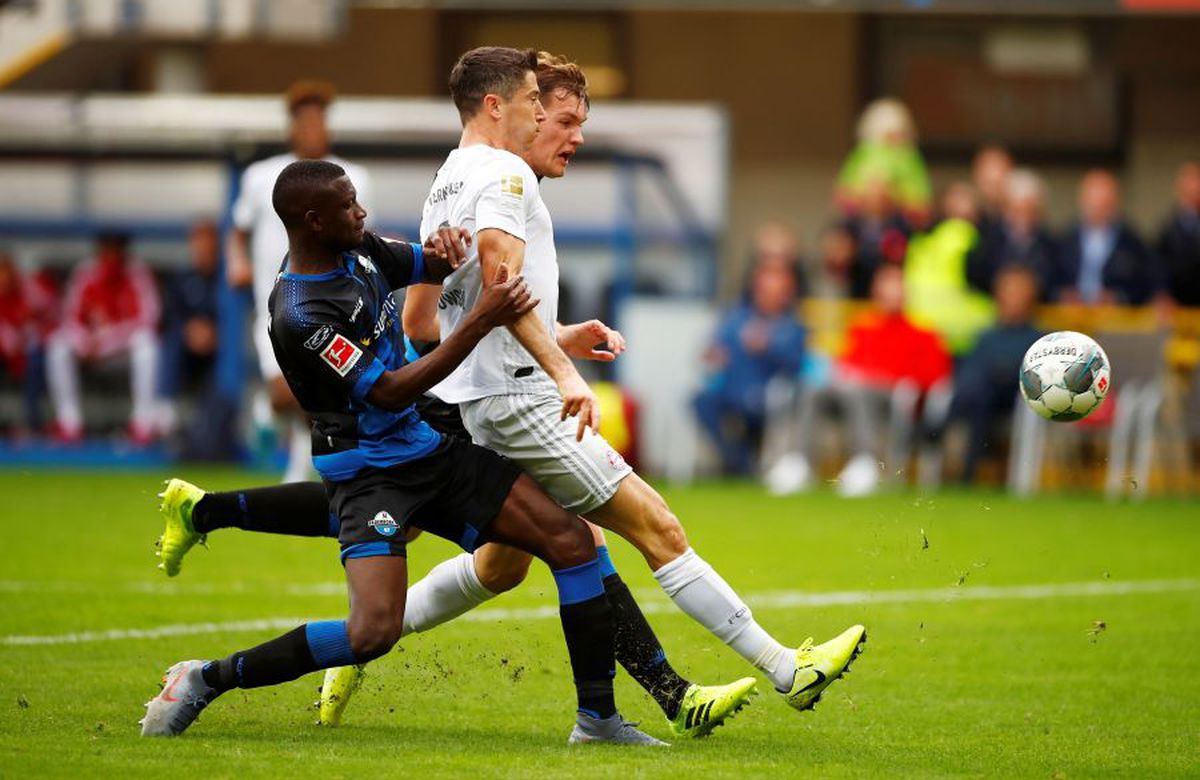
(488, 70)
(296, 186)
(556, 74)
(308, 92)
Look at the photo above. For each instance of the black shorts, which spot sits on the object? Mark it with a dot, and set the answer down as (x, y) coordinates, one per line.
(453, 493)
(442, 417)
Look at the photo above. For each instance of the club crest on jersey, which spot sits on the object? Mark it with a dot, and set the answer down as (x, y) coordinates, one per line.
(384, 524)
(341, 354)
(513, 185)
(366, 263)
(320, 337)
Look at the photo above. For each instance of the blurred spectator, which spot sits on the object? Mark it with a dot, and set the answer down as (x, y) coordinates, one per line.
(886, 152)
(1019, 238)
(1179, 241)
(259, 243)
(884, 351)
(874, 236)
(28, 311)
(937, 294)
(989, 172)
(189, 345)
(777, 242)
(755, 342)
(111, 311)
(1101, 259)
(985, 384)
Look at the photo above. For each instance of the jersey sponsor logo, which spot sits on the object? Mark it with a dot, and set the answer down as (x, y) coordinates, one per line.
(341, 354)
(318, 339)
(383, 524)
(445, 191)
(387, 313)
(512, 185)
(452, 298)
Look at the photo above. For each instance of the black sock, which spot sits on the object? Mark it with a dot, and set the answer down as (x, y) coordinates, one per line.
(639, 651)
(275, 661)
(588, 627)
(296, 509)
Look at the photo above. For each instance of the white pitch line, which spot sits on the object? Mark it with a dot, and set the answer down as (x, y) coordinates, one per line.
(787, 599)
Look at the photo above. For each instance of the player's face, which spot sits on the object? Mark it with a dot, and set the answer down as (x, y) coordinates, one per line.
(342, 220)
(560, 135)
(309, 134)
(522, 116)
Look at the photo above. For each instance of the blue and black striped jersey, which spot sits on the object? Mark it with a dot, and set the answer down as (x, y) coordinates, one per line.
(334, 334)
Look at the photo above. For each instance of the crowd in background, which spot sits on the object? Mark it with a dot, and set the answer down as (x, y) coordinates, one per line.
(949, 288)
(109, 317)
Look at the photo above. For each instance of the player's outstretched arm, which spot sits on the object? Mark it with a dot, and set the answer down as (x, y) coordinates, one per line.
(500, 249)
(501, 304)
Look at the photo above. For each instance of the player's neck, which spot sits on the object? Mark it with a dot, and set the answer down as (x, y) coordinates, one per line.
(474, 135)
(307, 257)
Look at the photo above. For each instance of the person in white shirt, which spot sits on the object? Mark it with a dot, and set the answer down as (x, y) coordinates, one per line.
(518, 388)
(258, 243)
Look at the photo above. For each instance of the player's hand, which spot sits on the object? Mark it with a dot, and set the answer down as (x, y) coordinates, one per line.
(579, 401)
(591, 340)
(451, 244)
(506, 300)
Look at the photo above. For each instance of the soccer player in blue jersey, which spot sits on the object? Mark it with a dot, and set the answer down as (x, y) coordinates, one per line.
(335, 331)
(466, 581)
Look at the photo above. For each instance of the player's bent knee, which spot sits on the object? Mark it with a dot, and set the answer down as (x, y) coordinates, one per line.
(570, 545)
(501, 579)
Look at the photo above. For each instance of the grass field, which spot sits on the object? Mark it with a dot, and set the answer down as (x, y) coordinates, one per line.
(985, 658)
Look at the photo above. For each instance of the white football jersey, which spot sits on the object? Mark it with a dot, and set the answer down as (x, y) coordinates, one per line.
(254, 213)
(481, 187)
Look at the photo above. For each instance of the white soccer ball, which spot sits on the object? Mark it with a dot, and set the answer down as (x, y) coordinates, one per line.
(1065, 376)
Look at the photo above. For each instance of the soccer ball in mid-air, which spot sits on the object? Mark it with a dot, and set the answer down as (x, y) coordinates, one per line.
(1065, 376)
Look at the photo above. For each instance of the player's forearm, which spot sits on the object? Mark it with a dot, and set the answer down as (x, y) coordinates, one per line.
(400, 388)
(531, 333)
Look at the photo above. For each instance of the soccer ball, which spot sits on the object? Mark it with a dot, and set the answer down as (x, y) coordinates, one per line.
(1065, 376)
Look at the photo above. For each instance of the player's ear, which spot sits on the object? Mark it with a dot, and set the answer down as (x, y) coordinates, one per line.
(313, 220)
(491, 104)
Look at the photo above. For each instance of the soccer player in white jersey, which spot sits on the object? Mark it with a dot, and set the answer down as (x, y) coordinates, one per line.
(259, 242)
(574, 465)
(518, 388)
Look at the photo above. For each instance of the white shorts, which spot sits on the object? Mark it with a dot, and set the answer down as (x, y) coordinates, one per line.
(578, 475)
(267, 365)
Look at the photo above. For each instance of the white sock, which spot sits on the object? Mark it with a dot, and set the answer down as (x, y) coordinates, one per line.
(449, 589)
(698, 590)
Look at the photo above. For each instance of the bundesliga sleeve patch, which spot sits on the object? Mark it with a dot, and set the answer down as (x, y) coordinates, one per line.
(341, 354)
(512, 185)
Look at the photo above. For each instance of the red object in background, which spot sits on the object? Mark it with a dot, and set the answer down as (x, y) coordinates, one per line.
(1162, 5)
(883, 350)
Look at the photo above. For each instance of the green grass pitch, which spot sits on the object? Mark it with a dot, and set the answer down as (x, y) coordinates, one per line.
(1058, 637)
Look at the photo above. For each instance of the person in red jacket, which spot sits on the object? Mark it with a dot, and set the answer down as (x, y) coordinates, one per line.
(884, 351)
(111, 311)
(28, 308)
